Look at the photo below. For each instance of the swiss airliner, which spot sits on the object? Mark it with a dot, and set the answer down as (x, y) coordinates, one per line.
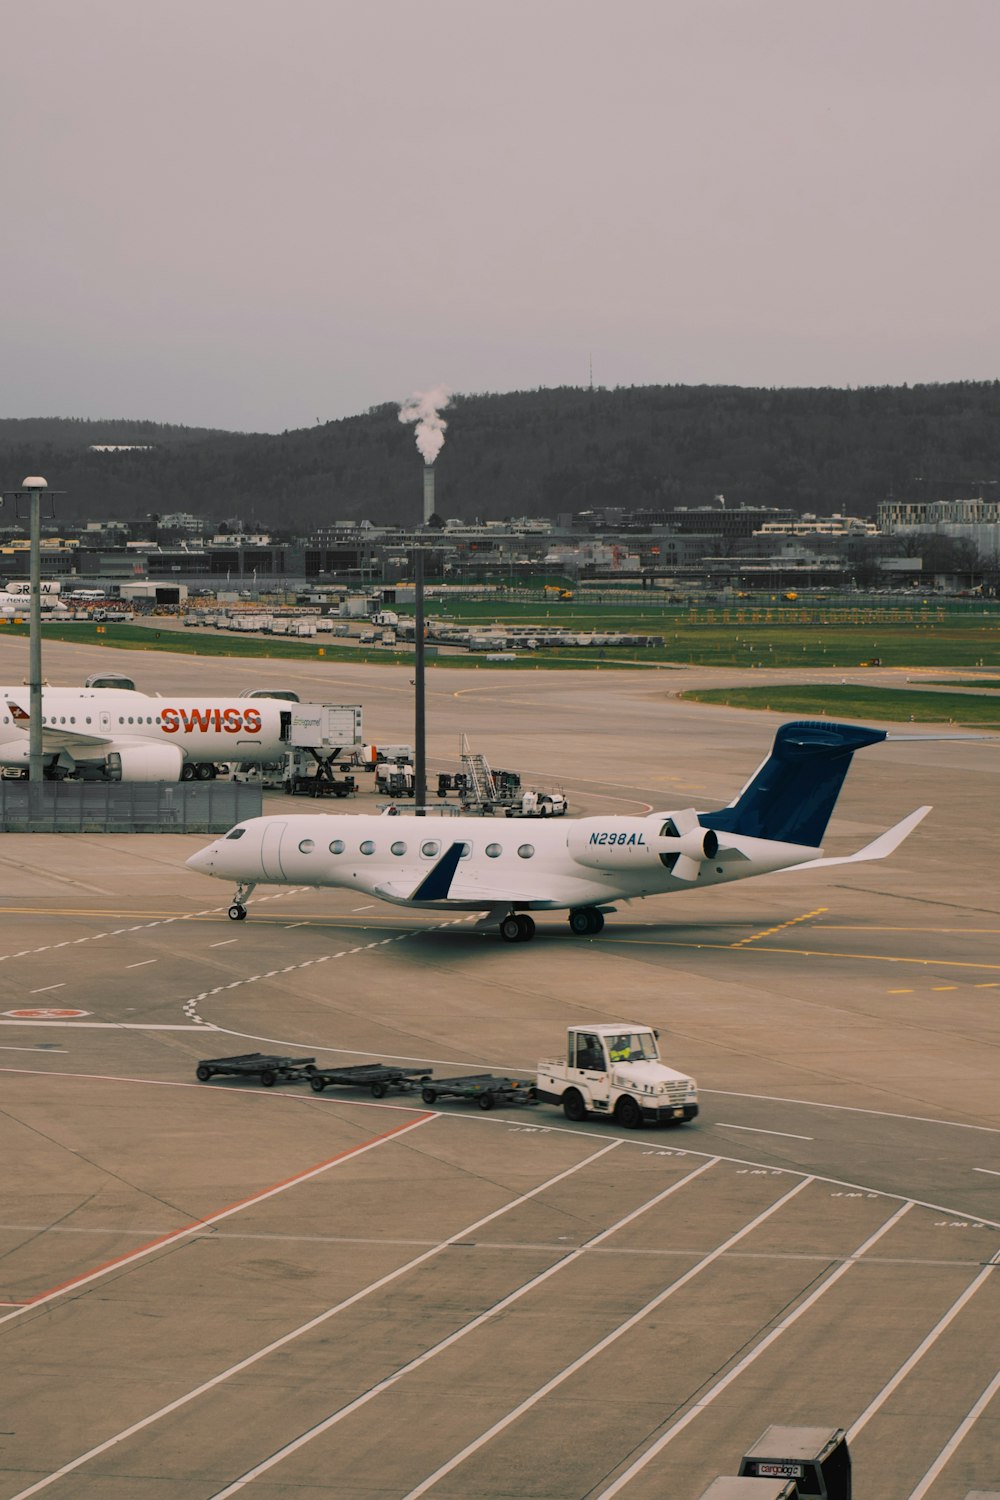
(123, 735)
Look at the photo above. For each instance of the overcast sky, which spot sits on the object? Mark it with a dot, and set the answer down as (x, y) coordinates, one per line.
(256, 213)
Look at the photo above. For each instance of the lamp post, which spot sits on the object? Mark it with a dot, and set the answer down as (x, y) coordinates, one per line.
(31, 490)
(420, 722)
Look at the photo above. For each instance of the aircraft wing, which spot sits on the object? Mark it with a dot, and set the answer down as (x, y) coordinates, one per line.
(878, 849)
(449, 884)
(56, 739)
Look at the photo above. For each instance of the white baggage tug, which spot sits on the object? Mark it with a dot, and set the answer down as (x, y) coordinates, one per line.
(615, 1069)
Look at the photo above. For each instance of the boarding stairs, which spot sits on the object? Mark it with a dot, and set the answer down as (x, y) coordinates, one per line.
(481, 782)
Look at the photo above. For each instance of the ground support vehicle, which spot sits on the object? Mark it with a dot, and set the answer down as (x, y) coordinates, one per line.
(487, 1089)
(615, 1069)
(539, 805)
(321, 783)
(379, 1078)
(263, 1065)
(394, 780)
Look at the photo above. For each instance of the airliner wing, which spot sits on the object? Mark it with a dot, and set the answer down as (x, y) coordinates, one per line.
(878, 849)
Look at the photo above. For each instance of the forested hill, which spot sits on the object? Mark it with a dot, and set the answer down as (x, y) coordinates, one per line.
(537, 453)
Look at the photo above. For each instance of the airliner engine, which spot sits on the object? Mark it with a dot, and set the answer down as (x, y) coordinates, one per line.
(145, 763)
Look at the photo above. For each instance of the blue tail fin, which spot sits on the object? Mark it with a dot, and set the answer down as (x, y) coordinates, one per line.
(791, 797)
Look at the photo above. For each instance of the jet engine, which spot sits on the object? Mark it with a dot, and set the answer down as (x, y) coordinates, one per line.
(145, 763)
(675, 840)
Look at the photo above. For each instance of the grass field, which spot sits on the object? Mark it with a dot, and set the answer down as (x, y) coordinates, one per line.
(770, 635)
(847, 701)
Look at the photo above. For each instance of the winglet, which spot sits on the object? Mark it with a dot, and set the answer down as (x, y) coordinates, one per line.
(437, 882)
(878, 849)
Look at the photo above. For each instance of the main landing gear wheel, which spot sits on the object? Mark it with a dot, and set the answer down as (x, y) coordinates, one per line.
(517, 927)
(204, 771)
(187, 771)
(237, 913)
(586, 921)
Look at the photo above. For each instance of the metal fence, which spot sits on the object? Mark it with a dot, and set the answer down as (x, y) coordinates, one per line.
(126, 806)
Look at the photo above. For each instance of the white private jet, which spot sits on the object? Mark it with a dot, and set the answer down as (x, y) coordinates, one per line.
(580, 865)
(124, 735)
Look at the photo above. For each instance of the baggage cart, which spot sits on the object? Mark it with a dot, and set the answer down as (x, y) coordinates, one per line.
(263, 1065)
(379, 1078)
(487, 1089)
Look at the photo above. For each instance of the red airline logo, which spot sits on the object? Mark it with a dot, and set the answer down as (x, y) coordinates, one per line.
(203, 720)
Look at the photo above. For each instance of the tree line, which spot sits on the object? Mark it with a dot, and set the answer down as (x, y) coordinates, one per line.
(543, 452)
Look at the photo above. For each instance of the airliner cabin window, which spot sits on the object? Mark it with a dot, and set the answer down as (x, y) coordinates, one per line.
(494, 851)
(399, 847)
(337, 847)
(466, 851)
(307, 846)
(368, 846)
(526, 851)
(431, 849)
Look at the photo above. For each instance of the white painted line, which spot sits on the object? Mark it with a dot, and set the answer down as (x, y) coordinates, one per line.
(957, 1437)
(452, 1338)
(32, 1049)
(105, 1025)
(756, 1129)
(143, 963)
(46, 987)
(710, 1395)
(851, 1109)
(225, 942)
(988, 1170)
(303, 1328)
(919, 1352)
(598, 1348)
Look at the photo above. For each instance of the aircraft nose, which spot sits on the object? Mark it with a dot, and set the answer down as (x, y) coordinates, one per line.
(204, 860)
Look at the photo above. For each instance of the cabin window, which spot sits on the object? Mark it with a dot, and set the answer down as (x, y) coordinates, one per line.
(399, 847)
(494, 850)
(337, 847)
(307, 846)
(431, 849)
(237, 833)
(526, 851)
(466, 850)
(368, 846)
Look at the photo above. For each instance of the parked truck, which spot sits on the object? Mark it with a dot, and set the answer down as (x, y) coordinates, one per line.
(615, 1069)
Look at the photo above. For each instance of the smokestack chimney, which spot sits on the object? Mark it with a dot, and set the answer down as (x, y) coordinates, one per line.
(428, 492)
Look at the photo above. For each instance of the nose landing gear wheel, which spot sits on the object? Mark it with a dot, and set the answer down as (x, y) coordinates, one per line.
(237, 913)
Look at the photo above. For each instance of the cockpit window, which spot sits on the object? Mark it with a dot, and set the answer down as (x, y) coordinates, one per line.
(236, 833)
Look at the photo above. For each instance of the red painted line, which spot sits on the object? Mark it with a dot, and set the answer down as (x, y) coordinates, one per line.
(223, 1213)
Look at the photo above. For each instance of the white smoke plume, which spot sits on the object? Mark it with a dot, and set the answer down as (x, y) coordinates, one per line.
(423, 409)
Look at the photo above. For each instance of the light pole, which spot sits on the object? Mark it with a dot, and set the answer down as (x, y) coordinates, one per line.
(32, 490)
